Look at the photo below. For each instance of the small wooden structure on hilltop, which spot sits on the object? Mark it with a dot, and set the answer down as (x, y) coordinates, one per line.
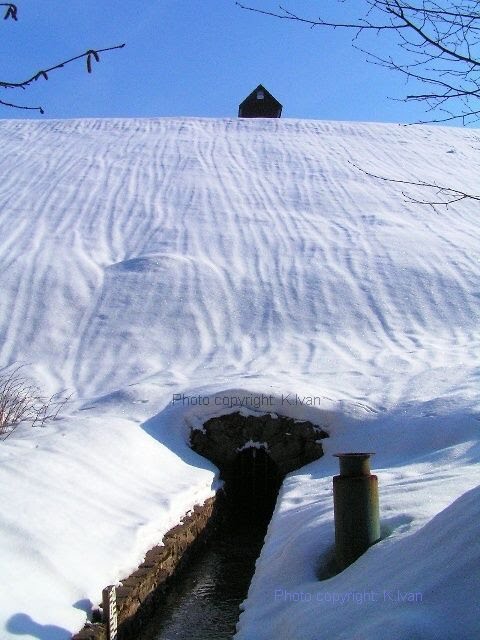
(260, 104)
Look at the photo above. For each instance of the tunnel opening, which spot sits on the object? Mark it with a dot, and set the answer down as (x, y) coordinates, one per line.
(251, 488)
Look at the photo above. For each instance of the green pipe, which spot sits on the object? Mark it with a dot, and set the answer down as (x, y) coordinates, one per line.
(356, 508)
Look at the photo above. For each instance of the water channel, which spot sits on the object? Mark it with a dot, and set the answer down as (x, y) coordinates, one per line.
(202, 603)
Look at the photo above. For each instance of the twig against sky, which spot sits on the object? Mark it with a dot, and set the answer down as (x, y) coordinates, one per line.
(89, 55)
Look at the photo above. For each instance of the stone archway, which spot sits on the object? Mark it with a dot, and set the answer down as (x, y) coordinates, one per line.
(289, 443)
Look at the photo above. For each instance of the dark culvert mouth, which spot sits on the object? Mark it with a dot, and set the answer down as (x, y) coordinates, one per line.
(251, 490)
(253, 454)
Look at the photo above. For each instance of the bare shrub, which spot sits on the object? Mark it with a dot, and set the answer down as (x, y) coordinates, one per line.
(22, 401)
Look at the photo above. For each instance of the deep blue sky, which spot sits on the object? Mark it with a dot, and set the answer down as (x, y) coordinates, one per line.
(193, 58)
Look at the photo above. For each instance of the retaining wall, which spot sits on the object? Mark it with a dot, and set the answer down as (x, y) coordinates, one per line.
(141, 591)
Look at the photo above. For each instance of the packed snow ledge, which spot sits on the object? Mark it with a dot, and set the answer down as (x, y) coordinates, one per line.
(150, 263)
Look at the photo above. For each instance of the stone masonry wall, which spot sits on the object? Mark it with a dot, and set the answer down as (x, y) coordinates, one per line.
(140, 591)
(291, 444)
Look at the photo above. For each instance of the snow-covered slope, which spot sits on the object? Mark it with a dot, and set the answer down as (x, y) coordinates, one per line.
(146, 258)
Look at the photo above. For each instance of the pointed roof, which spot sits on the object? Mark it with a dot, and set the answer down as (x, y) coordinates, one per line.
(260, 104)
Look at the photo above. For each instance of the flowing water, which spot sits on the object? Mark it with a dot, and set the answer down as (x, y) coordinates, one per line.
(203, 602)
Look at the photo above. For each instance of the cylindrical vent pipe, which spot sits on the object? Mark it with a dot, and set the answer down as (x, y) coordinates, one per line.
(356, 509)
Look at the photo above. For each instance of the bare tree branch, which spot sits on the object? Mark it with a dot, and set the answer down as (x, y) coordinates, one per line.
(449, 195)
(11, 11)
(18, 106)
(90, 55)
(319, 22)
(43, 73)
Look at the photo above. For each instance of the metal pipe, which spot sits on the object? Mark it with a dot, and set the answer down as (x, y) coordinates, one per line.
(356, 508)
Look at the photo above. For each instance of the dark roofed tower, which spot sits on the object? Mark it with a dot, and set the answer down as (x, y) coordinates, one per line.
(260, 104)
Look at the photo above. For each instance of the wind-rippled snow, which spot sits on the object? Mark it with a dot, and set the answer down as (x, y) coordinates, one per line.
(147, 258)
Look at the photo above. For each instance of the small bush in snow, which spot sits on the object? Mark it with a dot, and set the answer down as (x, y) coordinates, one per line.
(21, 400)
